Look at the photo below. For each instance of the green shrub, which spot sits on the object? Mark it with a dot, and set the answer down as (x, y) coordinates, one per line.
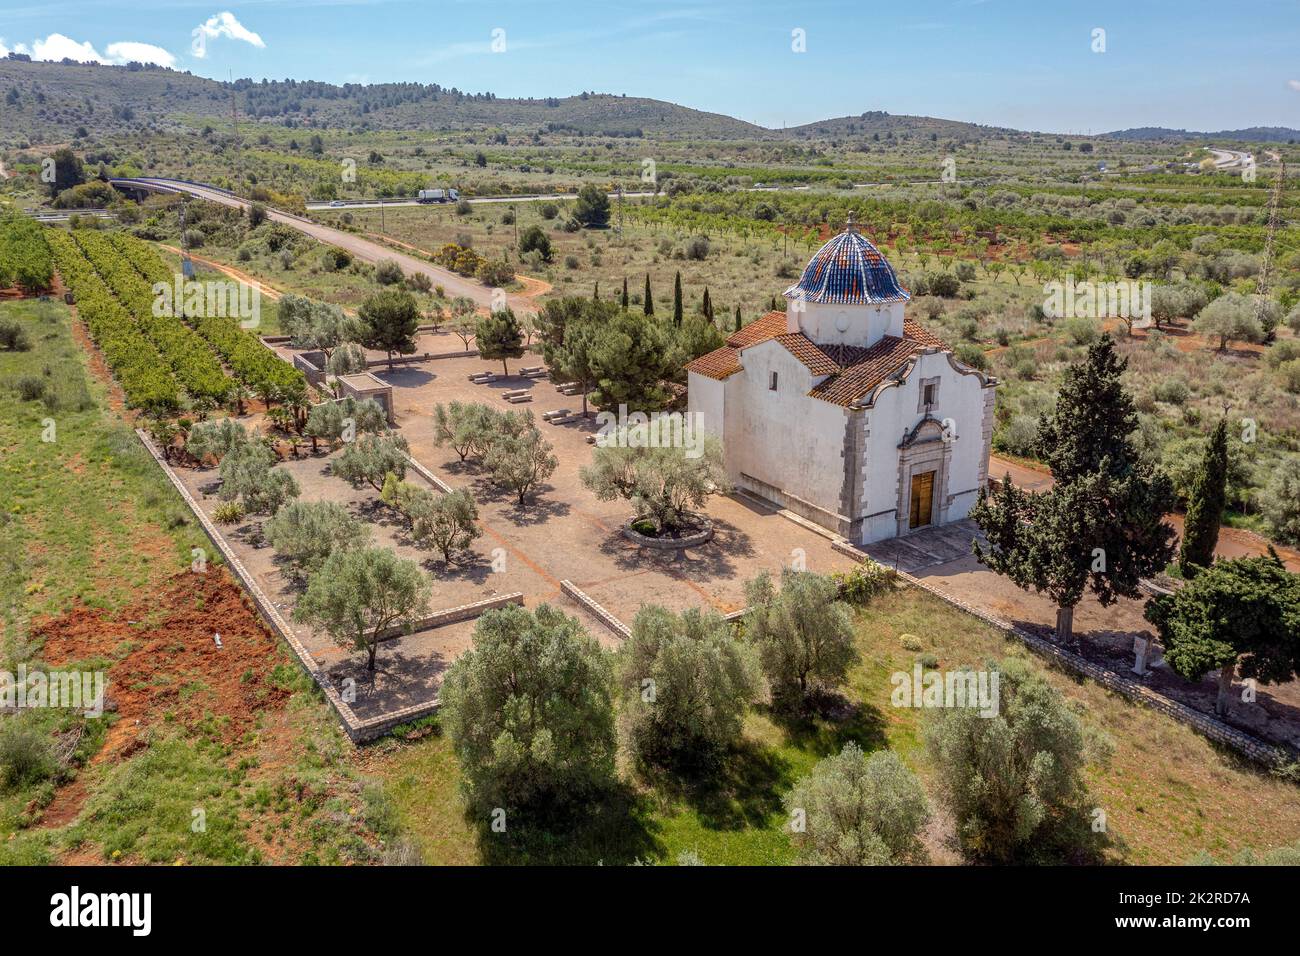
(30, 388)
(14, 337)
(865, 581)
(228, 512)
(25, 753)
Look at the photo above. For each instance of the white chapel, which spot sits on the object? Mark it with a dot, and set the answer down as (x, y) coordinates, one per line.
(844, 411)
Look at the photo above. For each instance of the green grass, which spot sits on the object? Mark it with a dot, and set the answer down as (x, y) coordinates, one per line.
(1167, 792)
(78, 513)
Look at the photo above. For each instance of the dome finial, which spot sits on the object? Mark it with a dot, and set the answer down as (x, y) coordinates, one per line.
(849, 224)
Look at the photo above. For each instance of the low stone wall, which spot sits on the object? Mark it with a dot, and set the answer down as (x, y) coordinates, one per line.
(357, 729)
(1213, 728)
(452, 615)
(429, 476)
(705, 534)
(595, 609)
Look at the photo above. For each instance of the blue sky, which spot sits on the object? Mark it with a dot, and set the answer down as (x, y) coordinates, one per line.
(1023, 63)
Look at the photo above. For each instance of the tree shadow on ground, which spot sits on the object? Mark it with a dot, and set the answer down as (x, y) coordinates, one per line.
(828, 723)
(615, 828)
(742, 789)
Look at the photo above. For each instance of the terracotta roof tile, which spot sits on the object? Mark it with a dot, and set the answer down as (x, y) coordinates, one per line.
(718, 364)
(760, 330)
(854, 371)
(875, 365)
(809, 353)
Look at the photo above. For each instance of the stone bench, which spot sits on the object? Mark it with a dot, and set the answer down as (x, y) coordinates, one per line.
(517, 399)
(556, 413)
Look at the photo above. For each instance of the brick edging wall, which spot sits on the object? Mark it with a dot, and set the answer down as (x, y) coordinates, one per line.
(1213, 728)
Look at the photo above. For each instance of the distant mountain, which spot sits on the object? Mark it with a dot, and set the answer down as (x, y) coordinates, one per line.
(1254, 134)
(46, 102)
(56, 98)
(880, 123)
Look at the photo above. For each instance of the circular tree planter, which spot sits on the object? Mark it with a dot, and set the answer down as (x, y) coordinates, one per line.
(700, 531)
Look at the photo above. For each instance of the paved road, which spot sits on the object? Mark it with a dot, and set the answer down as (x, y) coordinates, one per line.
(555, 197)
(364, 249)
(1227, 160)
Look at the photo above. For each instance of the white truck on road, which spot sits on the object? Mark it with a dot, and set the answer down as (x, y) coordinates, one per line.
(437, 195)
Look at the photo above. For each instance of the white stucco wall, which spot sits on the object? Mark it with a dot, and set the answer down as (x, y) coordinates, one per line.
(864, 325)
(784, 438)
(705, 397)
(894, 414)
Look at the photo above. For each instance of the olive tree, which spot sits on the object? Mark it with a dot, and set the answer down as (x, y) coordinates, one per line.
(215, 439)
(663, 469)
(317, 325)
(803, 632)
(306, 533)
(529, 712)
(855, 810)
(685, 682)
(1013, 783)
(519, 458)
(370, 459)
(448, 522)
(247, 476)
(357, 596)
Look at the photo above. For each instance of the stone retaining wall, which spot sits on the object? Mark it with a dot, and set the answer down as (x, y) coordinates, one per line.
(1213, 728)
(602, 615)
(357, 729)
(452, 615)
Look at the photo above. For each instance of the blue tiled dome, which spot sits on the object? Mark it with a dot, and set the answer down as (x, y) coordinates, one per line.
(848, 270)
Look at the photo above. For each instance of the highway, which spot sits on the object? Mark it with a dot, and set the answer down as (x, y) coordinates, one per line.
(317, 206)
(363, 249)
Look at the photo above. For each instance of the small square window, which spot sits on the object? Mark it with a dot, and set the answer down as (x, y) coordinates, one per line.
(931, 393)
(771, 381)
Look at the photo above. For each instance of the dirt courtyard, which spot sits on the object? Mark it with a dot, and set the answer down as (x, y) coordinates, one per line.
(561, 533)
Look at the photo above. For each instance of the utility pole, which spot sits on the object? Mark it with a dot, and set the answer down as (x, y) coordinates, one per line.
(234, 125)
(1274, 221)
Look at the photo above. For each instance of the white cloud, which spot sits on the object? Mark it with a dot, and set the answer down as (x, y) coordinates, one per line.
(1294, 84)
(221, 25)
(125, 51)
(56, 46)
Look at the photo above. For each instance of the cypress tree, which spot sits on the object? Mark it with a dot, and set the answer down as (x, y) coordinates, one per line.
(707, 306)
(625, 292)
(1205, 504)
(737, 328)
(649, 299)
(677, 300)
(1100, 527)
(595, 293)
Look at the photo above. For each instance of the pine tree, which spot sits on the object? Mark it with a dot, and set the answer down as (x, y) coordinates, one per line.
(625, 300)
(1205, 504)
(649, 305)
(1100, 527)
(1093, 419)
(677, 300)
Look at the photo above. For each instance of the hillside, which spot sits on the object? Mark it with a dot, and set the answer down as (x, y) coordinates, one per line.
(882, 123)
(1253, 134)
(57, 98)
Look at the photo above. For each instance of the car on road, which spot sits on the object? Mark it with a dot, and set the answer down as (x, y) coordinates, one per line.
(336, 203)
